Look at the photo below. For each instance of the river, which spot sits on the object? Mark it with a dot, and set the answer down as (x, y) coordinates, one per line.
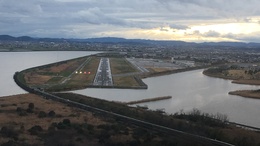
(188, 89)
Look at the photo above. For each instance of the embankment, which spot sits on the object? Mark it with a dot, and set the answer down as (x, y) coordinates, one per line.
(149, 100)
(168, 72)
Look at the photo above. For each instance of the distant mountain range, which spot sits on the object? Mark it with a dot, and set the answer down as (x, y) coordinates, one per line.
(132, 41)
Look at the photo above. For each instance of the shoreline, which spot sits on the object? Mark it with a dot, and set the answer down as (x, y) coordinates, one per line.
(253, 94)
(234, 80)
(169, 72)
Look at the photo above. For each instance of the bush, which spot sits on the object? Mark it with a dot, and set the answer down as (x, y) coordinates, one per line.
(9, 143)
(35, 130)
(29, 110)
(51, 114)
(42, 114)
(66, 122)
(31, 106)
(19, 109)
(9, 132)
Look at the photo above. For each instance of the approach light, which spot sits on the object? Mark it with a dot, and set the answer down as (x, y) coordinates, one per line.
(76, 72)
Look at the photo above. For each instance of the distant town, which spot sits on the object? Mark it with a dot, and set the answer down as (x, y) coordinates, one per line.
(186, 53)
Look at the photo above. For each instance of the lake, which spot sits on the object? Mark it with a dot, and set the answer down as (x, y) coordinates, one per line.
(188, 89)
(10, 62)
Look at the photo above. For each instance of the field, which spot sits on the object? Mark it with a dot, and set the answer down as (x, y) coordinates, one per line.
(121, 66)
(80, 73)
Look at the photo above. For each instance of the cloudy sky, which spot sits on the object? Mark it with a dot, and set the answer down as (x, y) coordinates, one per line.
(187, 20)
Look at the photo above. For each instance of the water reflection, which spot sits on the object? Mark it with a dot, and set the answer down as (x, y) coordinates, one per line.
(190, 90)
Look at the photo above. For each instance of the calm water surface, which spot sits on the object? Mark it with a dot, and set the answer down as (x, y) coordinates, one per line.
(190, 90)
(10, 62)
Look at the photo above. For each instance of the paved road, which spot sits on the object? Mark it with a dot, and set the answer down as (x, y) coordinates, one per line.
(103, 76)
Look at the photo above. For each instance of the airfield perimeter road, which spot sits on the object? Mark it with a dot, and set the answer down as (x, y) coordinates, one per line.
(103, 76)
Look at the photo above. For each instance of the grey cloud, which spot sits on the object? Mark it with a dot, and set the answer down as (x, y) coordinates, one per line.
(179, 27)
(212, 33)
(252, 37)
(163, 29)
(60, 17)
(96, 16)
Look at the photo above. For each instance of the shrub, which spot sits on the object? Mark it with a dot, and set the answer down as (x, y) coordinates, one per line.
(29, 110)
(66, 122)
(42, 114)
(9, 132)
(19, 109)
(51, 114)
(35, 130)
(9, 143)
(31, 106)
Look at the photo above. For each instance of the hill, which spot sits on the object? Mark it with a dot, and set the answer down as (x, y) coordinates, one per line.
(136, 41)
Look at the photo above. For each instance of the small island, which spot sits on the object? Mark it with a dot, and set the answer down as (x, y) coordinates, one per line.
(243, 73)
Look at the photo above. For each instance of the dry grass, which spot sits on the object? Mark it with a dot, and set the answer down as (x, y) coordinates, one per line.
(42, 76)
(249, 82)
(236, 133)
(36, 79)
(125, 81)
(86, 79)
(63, 66)
(121, 66)
(239, 74)
(154, 69)
(9, 116)
(246, 93)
